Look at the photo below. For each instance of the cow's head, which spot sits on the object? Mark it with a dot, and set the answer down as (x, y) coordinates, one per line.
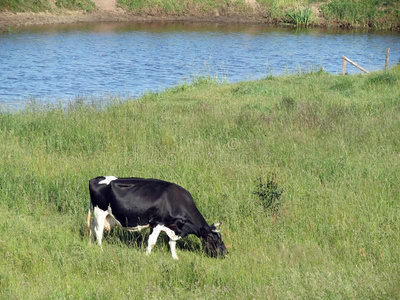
(212, 242)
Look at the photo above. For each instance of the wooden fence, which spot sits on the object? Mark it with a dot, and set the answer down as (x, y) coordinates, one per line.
(345, 60)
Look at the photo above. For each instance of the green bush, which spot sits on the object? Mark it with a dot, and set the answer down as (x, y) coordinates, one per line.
(269, 193)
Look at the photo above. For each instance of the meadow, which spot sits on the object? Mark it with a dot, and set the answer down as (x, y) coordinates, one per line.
(302, 170)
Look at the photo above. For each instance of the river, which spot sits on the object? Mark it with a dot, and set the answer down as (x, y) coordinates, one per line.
(62, 62)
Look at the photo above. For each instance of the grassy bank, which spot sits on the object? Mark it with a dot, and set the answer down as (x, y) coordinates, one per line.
(348, 13)
(325, 147)
(381, 14)
(45, 5)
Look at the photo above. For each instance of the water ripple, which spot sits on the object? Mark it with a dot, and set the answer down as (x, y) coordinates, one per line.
(63, 62)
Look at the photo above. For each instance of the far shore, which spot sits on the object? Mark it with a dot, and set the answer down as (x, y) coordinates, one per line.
(10, 20)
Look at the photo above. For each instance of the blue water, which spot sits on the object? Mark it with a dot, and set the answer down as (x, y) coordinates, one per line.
(59, 63)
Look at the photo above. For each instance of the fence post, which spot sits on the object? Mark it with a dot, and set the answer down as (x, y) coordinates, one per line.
(387, 59)
(344, 67)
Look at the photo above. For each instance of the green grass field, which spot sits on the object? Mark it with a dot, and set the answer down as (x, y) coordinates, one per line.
(329, 144)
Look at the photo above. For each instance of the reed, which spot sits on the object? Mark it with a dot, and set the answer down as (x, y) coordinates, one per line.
(300, 17)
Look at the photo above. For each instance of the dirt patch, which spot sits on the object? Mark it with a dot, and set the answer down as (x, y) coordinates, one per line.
(107, 5)
(9, 20)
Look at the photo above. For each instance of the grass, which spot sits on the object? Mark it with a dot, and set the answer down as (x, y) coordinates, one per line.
(366, 13)
(327, 145)
(180, 7)
(300, 17)
(86, 5)
(24, 5)
(45, 5)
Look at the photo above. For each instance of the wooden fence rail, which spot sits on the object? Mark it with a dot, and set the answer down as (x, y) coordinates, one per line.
(345, 60)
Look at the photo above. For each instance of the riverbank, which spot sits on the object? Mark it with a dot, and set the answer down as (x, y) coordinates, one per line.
(366, 14)
(8, 21)
(301, 170)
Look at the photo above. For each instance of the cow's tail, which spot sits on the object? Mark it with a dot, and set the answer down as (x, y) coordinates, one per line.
(88, 220)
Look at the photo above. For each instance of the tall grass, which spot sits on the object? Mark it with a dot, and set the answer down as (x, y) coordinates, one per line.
(180, 7)
(300, 17)
(331, 143)
(371, 13)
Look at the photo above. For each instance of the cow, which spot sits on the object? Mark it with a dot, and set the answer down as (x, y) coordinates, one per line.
(138, 203)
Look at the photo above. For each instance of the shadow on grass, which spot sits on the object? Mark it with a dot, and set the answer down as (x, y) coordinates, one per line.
(119, 236)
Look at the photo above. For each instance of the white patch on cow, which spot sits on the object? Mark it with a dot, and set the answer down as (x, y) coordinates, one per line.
(172, 245)
(97, 225)
(153, 238)
(138, 228)
(108, 179)
(171, 234)
(172, 239)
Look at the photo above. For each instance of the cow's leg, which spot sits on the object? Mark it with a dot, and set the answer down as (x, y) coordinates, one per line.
(99, 221)
(172, 245)
(172, 240)
(153, 238)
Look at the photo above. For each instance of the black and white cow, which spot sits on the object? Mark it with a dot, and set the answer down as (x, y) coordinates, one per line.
(138, 203)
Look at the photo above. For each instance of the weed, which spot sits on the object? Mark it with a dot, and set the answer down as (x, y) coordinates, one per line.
(288, 103)
(382, 78)
(269, 193)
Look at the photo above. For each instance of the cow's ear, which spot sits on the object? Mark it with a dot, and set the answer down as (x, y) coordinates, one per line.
(203, 232)
(214, 227)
